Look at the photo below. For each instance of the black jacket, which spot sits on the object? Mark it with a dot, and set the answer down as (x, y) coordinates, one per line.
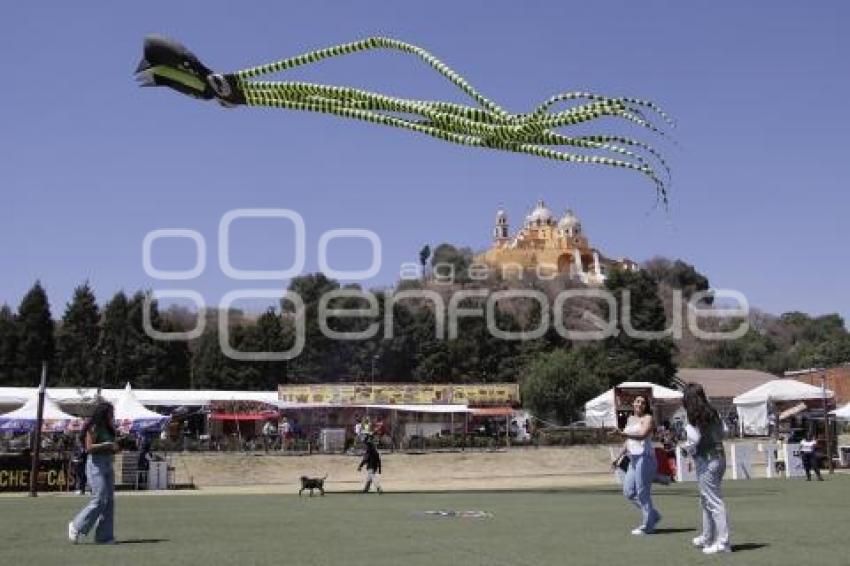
(371, 459)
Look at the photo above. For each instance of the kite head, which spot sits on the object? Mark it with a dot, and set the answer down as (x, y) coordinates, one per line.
(168, 63)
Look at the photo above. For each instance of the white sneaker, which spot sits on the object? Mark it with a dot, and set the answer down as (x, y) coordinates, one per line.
(73, 533)
(699, 541)
(716, 548)
(640, 531)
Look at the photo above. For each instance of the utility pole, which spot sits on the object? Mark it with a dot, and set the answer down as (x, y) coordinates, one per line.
(39, 419)
(826, 427)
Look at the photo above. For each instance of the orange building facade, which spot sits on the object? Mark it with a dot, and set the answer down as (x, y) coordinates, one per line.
(548, 245)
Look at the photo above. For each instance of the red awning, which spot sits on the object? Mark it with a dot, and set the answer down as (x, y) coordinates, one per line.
(244, 416)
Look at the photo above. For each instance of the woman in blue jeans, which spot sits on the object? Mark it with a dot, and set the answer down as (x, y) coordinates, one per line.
(637, 483)
(101, 446)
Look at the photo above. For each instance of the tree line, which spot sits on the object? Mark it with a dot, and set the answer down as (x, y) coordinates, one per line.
(92, 345)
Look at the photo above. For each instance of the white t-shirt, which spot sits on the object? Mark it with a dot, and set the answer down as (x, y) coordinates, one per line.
(692, 438)
(633, 446)
(808, 446)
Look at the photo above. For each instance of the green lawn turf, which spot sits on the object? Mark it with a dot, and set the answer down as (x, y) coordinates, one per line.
(774, 522)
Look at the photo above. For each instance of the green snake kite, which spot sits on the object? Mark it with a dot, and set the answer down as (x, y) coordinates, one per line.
(486, 124)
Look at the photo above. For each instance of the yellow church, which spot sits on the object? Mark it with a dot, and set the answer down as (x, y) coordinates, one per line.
(548, 245)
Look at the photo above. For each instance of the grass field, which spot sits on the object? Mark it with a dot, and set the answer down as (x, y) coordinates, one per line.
(774, 522)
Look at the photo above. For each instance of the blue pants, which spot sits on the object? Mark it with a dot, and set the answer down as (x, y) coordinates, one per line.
(715, 526)
(637, 485)
(101, 508)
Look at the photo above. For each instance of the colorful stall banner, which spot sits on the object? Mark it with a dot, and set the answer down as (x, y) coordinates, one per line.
(401, 394)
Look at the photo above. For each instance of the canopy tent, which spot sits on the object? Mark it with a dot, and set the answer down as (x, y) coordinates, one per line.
(752, 406)
(23, 420)
(600, 412)
(155, 397)
(842, 413)
(132, 416)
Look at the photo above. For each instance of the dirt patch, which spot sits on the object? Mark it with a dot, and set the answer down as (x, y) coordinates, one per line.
(513, 469)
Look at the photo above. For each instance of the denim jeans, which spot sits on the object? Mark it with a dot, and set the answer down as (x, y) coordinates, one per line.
(101, 508)
(637, 487)
(715, 526)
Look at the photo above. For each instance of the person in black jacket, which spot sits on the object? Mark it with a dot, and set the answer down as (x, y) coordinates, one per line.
(79, 462)
(372, 461)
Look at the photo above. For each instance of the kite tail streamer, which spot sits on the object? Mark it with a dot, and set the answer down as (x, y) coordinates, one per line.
(484, 124)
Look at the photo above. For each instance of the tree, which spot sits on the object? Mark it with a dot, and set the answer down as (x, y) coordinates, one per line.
(152, 362)
(214, 370)
(114, 345)
(77, 338)
(267, 335)
(317, 361)
(8, 346)
(557, 384)
(424, 254)
(677, 275)
(631, 358)
(448, 260)
(35, 331)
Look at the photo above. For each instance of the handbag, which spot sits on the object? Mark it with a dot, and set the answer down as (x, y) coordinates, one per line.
(622, 462)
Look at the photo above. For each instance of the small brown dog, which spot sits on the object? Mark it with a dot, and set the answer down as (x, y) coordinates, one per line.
(311, 484)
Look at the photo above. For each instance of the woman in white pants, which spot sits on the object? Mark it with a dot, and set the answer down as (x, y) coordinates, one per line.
(705, 433)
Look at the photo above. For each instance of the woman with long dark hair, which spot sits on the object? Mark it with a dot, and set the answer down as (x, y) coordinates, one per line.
(101, 446)
(637, 484)
(705, 432)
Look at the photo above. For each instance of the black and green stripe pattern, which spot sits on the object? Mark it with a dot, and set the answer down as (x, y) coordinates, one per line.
(484, 125)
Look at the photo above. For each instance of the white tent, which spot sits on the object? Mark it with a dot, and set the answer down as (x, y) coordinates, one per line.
(842, 413)
(156, 397)
(600, 412)
(24, 419)
(131, 415)
(752, 406)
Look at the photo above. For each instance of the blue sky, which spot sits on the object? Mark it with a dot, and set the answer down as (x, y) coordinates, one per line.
(89, 163)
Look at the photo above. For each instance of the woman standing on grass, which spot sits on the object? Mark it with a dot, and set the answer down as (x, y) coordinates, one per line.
(637, 484)
(101, 446)
(705, 432)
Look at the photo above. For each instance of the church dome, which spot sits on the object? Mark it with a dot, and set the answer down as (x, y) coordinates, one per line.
(541, 214)
(570, 220)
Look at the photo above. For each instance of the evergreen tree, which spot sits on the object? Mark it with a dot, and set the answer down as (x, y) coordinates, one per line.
(35, 332)
(114, 345)
(154, 363)
(317, 361)
(638, 359)
(8, 346)
(212, 369)
(77, 339)
(267, 335)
